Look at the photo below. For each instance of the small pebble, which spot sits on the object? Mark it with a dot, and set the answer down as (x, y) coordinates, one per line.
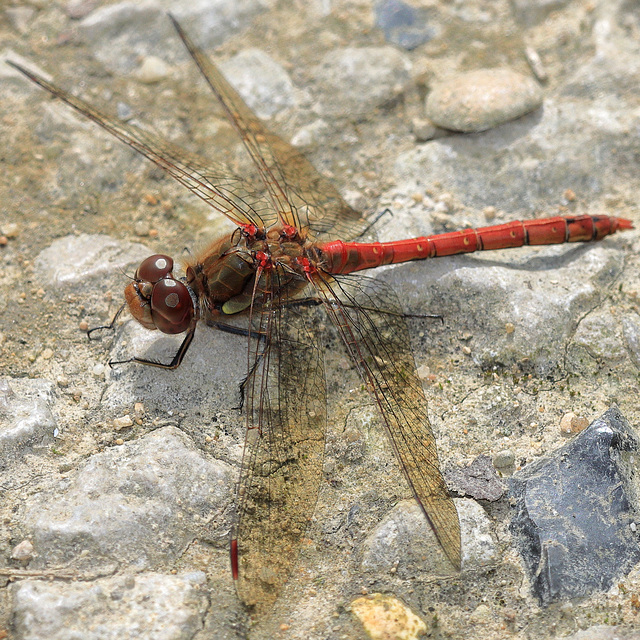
(509, 327)
(138, 412)
(403, 24)
(482, 99)
(10, 230)
(150, 199)
(447, 200)
(83, 326)
(536, 64)
(504, 459)
(423, 129)
(124, 111)
(141, 228)
(47, 354)
(98, 371)
(482, 614)
(489, 213)
(383, 616)
(152, 70)
(122, 422)
(570, 424)
(22, 552)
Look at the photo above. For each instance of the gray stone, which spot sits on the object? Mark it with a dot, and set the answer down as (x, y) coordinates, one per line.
(479, 480)
(72, 260)
(482, 99)
(120, 34)
(264, 84)
(404, 25)
(26, 421)
(142, 503)
(404, 544)
(544, 298)
(145, 606)
(355, 80)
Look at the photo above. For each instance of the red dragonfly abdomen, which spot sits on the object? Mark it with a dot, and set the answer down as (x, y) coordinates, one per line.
(346, 257)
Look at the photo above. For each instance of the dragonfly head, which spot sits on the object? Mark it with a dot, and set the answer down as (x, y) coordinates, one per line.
(157, 300)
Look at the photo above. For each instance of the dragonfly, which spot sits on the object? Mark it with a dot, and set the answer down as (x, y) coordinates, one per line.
(294, 250)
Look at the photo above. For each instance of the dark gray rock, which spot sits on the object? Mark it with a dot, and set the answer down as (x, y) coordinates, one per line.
(479, 480)
(575, 518)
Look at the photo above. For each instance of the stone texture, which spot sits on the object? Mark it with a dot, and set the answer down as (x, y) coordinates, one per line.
(27, 424)
(146, 606)
(576, 512)
(142, 503)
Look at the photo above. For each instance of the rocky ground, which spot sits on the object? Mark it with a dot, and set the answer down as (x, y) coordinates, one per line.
(118, 484)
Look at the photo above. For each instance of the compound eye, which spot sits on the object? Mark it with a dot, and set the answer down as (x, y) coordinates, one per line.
(154, 268)
(171, 306)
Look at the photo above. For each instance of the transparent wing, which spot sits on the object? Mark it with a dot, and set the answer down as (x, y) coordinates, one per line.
(215, 183)
(302, 197)
(283, 455)
(369, 319)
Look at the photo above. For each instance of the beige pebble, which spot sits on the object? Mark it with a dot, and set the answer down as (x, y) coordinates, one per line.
(570, 424)
(122, 422)
(384, 617)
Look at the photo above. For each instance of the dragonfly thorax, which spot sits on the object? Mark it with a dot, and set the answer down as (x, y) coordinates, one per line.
(243, 269)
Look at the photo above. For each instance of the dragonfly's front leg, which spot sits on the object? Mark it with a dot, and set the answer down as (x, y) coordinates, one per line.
(176, 360)
(109, 326)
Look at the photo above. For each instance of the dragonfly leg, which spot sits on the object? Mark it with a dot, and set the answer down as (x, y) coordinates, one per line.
(375, 221)
(177, 358)
(237, 331)
(107, 326)
(313, 302)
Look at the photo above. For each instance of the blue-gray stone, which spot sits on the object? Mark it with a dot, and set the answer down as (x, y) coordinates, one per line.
(402, 24)
(575, 517)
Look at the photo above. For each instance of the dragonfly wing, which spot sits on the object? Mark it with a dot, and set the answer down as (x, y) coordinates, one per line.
(303, 197)
(369, 318)
(215, 183)
(283, 455)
